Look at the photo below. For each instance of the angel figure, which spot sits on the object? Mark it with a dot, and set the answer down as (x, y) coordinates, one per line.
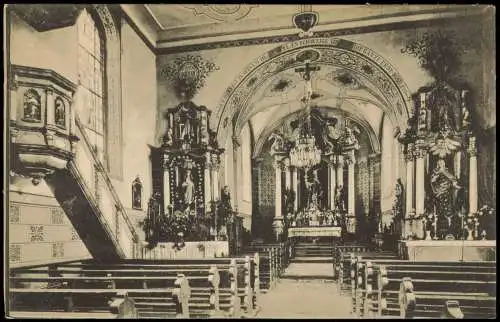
(443, 145)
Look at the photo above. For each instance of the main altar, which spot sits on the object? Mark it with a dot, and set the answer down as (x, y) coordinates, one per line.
(315, 200)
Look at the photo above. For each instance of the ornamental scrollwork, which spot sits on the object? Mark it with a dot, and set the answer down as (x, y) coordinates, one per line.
(187, 74)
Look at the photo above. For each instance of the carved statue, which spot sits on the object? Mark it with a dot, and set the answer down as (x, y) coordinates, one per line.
(398, 204)
(32, 105)
(295, 130)
(339, 199)
(137, 194)
(445, 189)
(422, 119)
(212, 138)
(316, 192)
(188, 187)
(331, 133)
(226, 197)
(279, 142)
(351, 133)
(466, 121)
(60, 112)
(168, 139)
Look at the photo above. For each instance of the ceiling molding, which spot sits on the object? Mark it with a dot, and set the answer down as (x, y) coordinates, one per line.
(150, 29)
(278, 35)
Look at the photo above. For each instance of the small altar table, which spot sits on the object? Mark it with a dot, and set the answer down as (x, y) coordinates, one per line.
(314, 232)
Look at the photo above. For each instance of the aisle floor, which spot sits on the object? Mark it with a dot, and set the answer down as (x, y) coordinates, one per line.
(305, 298)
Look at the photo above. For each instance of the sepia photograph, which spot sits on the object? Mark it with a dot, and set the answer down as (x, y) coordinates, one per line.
(252, 161)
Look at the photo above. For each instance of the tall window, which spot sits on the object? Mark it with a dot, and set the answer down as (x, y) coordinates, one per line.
(91, 72)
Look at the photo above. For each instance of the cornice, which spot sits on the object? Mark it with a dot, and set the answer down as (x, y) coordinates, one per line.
(35, 72)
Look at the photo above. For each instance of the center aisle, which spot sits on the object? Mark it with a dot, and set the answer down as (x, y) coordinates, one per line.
(306, 291)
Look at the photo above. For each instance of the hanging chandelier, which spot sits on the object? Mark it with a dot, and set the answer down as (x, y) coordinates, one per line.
(305, 153)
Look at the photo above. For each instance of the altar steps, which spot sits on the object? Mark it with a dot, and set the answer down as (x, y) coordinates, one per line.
(313, 250)
(310, 259)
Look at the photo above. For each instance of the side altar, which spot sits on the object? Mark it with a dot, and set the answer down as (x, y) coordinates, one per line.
(437, 213)
(188, 214)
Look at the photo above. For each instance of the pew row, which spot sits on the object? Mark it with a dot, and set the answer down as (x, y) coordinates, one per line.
(216, 289)
(376, 283)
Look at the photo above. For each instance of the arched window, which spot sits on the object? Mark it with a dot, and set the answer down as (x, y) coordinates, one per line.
(91, 76)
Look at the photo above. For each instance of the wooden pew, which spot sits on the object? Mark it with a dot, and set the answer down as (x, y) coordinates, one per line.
(273, 260)
(365, 287)
(427, 302)
(105, 303)
(345, 267)
(435, 278)
(339, 250)
(193, 270)
(85, 297)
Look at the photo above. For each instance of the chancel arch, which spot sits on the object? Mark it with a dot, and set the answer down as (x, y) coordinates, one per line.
(348, 55)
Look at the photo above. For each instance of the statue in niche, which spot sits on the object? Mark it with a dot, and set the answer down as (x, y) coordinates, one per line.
(137, 194)
(60, 112)
(187, 187)
(340, 199)
(32, 106)
(279, 142)
(445, 190)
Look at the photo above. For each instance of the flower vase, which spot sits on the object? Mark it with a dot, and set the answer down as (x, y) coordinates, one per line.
(428, 234)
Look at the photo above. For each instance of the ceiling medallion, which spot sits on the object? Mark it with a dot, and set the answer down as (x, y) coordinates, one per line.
(305, 20)
(222, 12)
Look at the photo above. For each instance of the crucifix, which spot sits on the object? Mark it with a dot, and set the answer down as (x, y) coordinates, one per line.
(306, 75)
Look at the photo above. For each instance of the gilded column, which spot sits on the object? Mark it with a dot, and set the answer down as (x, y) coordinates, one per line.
(288, 175)
(340, 170)
(419, 187)
(236, 170)
(278, 217)
(207, 190)
(215, 179)
(419, 179)
(410, 172)
(351, 184)
(333, 181)
(472, 150)
(295, 184)
(410, 208)
(166, 183)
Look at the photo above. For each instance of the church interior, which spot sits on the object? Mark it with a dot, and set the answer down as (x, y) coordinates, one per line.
(250, 161)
